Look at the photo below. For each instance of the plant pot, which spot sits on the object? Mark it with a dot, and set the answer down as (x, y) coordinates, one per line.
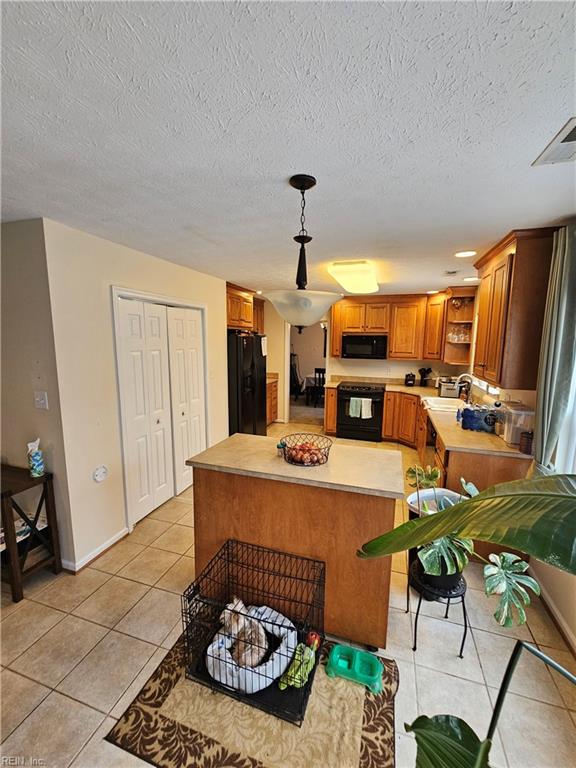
(427, 495)
(446, 582)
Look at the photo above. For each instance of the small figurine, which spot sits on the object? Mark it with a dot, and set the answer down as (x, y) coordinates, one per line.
(302, 664)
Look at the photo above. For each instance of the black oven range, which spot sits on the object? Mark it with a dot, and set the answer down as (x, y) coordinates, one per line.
(360, 411)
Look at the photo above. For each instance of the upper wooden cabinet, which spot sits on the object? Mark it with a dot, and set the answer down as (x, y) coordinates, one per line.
(364, 317)
(407, 329)
(258, 314)
(239, 307)
(458, 324)
(514, 278)
(434, 328)
(402, 317)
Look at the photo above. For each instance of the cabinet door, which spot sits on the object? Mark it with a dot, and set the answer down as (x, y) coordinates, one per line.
(330, 406)
(271, 402)
(421, 430)
(377, 317)
(234, 309)
(497, 321)
(352, 318)
(246, 311)
(391, 415)
(407, 422)
(335, 330)
(258, 313)
(407, 329)
(434, 330)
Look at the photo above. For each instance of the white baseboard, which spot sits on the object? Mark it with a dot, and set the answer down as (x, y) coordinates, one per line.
(70, 565)
(552, 607)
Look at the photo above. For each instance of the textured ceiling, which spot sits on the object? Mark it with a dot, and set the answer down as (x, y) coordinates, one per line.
(173, 127)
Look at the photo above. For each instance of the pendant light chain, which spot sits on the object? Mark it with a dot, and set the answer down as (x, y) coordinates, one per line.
(303, 230)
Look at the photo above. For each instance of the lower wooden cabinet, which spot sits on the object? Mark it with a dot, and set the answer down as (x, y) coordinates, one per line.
(271, 401)
(399, 421)
(391, 414)
(330, 410)
(421, 434)
(407, 423)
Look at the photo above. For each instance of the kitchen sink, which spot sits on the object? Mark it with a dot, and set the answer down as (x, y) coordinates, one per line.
(443, 403)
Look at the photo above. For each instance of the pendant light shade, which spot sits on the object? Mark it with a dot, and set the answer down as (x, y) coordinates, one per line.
(301, 307)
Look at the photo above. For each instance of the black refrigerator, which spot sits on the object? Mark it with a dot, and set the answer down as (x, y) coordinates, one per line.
(246, 383)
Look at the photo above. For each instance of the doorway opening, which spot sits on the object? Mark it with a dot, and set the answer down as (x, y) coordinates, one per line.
(308, 374)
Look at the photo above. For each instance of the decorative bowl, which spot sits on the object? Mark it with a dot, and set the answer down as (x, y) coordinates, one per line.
(306, 449)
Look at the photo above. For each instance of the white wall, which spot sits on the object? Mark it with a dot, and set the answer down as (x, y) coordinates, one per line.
(278, 334)
(309, 346)
(81, 271)
(29, 363)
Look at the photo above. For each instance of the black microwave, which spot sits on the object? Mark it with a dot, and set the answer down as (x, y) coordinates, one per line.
(364, 347)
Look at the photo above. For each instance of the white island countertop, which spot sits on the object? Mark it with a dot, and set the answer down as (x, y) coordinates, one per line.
(374, 471)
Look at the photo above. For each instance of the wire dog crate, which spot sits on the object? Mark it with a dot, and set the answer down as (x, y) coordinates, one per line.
(244, 648)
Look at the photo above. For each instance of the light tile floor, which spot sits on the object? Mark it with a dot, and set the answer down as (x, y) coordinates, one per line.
(78, 649)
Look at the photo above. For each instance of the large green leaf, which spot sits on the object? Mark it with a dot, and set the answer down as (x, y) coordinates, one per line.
(506, 577)
(536, 516)
(445, 741)
(448, 550)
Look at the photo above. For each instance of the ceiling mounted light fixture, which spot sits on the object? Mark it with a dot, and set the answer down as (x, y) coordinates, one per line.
(465, 254)
(355, 276)
(301, 307)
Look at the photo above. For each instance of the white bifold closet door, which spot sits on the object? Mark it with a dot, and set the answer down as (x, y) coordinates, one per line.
(145, 397)
(185, 340)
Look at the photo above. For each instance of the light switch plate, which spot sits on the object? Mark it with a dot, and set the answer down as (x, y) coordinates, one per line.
(41, 399)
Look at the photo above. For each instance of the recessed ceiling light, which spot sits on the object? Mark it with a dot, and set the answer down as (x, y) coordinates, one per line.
(471, 279)
(431, 292)
(259, 292)
(354, 276)
(464, 254)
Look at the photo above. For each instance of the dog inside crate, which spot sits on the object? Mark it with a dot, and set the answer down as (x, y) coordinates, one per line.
(246, 619)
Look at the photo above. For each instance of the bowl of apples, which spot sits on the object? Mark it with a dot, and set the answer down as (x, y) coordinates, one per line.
(306, 449)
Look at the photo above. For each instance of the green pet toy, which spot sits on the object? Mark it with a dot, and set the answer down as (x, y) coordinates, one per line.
(302, 664)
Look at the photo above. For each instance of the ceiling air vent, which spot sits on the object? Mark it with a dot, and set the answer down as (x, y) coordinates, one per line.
(562, 148)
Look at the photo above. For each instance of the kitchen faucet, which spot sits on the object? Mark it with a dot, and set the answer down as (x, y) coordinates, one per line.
(470, 381)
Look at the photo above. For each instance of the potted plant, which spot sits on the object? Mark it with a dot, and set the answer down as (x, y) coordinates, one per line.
(428, 498)
(442, 560)
(537, 517)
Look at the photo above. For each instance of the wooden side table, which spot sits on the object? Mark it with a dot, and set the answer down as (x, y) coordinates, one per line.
(23, 533)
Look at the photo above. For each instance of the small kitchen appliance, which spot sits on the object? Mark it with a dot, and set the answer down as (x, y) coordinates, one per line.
(409, 380)
(447, 386)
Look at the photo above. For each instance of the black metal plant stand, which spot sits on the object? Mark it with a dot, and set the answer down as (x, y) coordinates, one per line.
(438, 594)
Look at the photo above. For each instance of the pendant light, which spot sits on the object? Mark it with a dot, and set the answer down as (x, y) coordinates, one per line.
(301, 307)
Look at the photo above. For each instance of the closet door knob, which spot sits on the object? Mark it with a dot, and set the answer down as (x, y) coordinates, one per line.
(182, 413)
(157, 421)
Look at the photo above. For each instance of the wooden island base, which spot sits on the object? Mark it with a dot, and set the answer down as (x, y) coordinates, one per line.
(305, 520)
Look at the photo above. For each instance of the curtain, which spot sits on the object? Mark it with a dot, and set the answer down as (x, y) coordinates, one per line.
(558, 352)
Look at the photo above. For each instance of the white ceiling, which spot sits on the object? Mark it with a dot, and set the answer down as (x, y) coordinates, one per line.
(173, 127)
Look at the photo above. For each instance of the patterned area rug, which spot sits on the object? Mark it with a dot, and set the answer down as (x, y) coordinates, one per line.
(177, 723)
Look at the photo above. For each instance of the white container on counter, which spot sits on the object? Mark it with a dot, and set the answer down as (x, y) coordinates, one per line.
(518, 418)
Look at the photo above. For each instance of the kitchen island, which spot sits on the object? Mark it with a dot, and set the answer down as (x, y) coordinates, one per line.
(243, 490)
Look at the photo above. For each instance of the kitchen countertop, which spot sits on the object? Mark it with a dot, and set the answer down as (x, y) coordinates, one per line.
(349, 468)
(466, 440)
(451, 433)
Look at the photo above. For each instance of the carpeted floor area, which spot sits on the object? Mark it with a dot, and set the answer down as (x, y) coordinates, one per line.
(175, 722)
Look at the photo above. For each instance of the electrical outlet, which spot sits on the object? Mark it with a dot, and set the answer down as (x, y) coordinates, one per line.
(41, 399)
